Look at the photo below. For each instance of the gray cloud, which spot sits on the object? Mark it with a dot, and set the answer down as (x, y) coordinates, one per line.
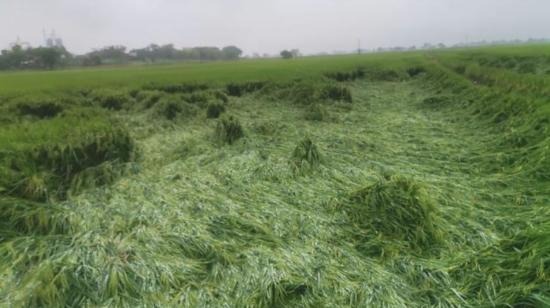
(269, 26)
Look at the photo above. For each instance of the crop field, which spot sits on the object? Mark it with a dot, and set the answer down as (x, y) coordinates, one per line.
(417, 179)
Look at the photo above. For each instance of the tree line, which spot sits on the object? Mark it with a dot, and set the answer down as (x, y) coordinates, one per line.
(19, 57)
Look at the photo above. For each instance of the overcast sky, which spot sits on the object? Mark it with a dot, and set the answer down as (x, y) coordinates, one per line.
(268, 26)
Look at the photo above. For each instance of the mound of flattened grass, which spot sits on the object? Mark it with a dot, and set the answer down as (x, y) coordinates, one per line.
(396, 208)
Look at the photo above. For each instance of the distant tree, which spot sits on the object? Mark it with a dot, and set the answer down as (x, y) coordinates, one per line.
(46, 57)
(295, 53)
(209, 53)
(427, 46)
(111, 54)
(166, 52)
(16, 56)
(285, 54)
(231, 52)
(91, 60)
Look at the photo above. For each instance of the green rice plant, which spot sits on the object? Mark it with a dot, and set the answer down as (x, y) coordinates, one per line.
(173, 107)
(358, 73)
(336, 93)
(268, 128)
(437, 102)
(229, 129)
(214, 110)
(147, 99)
(103, 174)
(316, 112)
(199, 99)
(185, 88)
(40, 108)
(23, 217)
(39, 160)
(221, 96)
(516, 270)
(397, 208)
(527, 68)
(34, 187)
(305, 157)
(301, 92)
(201, 225)
(240, 89)
(415, 71)
(111, 99)
(383, 74)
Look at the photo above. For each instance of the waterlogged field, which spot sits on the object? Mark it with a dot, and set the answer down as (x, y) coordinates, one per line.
(397, 180)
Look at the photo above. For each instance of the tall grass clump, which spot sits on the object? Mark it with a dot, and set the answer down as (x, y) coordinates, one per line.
(229, 129)
(214, 110)
(357, 73)
(397, 208)
(336, 93)
(305, 157)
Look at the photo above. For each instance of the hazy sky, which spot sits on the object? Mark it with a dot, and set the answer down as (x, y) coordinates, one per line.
(271, 25)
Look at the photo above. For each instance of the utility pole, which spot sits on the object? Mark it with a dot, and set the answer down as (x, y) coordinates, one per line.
(359, 46)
